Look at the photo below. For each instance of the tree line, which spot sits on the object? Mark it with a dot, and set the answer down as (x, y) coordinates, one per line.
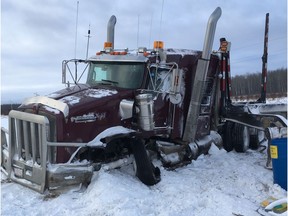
(5, 108)
(243, 87)
(250, 84)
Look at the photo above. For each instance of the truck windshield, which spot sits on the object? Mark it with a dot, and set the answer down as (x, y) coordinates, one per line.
(121, 74)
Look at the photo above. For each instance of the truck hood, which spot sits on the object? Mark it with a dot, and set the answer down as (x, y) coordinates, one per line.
(71, 100)
(68, 91)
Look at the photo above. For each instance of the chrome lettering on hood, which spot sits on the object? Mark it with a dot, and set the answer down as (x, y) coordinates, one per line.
(90, 117)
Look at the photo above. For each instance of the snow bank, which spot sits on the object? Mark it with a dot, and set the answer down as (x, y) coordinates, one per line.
(219, 183)
(283, 100)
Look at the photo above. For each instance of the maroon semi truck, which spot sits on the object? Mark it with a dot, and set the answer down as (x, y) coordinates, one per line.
(136, 106)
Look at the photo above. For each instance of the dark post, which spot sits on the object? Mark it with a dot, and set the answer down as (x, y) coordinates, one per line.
(262, 99)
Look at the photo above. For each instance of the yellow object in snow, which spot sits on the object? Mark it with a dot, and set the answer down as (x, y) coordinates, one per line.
(274, 152)
(268, 201)
(278, 207)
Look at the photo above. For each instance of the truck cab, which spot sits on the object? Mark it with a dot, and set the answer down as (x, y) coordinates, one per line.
(109, 97)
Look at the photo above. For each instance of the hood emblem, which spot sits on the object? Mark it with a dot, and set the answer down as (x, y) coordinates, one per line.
(90, 117)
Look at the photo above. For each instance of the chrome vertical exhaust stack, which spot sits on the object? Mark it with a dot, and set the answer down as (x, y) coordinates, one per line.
(200, 77)
(210, 33)
(111, 29)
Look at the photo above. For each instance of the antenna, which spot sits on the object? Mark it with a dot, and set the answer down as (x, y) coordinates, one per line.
(76, 32)
(138, 32)
(160, 33)
(88, 38)
(150, 30)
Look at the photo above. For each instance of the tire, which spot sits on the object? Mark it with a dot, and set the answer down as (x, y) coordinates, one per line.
(254, 141)
(241, 138)
(145, 170)
(228, 142)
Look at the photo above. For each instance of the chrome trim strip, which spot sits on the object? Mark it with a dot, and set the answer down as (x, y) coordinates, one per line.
(59, 105)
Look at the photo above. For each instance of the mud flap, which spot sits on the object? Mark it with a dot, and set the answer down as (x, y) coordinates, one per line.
(228, 142)
(145, 170)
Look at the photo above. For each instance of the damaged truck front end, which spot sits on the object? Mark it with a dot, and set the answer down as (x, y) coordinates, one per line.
(27, 157)
(49, 136)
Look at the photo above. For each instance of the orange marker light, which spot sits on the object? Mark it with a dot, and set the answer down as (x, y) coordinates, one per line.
(146, 54)
(107, 45)
(158, 45)
(225, 46)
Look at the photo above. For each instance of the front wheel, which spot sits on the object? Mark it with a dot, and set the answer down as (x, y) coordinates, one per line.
(242, 138)
(145, 170)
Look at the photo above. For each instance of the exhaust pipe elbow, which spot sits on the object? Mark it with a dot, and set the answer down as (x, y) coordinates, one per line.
(200, 76)
(111, 29)
(210, 32)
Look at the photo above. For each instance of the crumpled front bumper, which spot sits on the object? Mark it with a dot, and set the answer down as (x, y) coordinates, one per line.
(25, 160)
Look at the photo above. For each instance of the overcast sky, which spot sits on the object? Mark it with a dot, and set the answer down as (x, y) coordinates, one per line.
(37, 35)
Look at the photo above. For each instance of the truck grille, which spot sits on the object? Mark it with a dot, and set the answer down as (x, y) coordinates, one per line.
(28, 149)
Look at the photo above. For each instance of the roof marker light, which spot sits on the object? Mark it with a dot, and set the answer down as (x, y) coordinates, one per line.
(225, 45)
(158, 44)
(107, 45)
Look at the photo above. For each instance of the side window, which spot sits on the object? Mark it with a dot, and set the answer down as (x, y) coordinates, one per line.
(99, 74)
(160, 79)
(163, 82)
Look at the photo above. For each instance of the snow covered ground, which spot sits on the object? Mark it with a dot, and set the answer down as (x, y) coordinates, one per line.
(219, 183)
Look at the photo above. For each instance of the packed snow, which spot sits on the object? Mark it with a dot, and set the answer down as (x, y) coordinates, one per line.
(219, 183)
(70, 99)
(99, 93)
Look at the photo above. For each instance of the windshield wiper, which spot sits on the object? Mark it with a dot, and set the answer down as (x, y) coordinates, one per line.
(109, 81)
